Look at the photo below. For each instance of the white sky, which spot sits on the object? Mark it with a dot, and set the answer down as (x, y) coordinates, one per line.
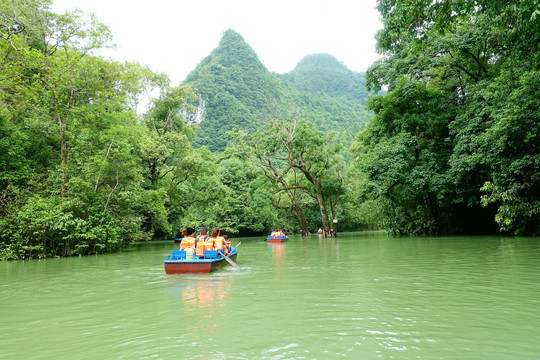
(174, 36)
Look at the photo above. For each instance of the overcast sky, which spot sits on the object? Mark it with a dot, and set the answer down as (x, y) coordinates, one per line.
(174, 36)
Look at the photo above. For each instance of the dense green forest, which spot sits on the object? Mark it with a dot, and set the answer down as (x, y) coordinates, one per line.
(454, 143)
(450, 146)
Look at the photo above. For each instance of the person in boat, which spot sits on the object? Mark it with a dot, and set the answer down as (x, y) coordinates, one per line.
(217, 242)
(281, 233)
(200, 242)
(274, 233)
(188, 239)
(226, 238)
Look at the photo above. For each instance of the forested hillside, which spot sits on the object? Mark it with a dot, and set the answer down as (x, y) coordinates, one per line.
(331, 96)
(323, 73)
(238, 92)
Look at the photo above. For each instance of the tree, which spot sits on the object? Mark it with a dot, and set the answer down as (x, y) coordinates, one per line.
(404, 154)
(171, 136)
(315, 157)
(466, 57)
(300, 162)
(264, 150)
(71, 177)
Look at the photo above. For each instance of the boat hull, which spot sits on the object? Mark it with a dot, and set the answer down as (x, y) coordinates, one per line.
(277, 240)
(199, 266)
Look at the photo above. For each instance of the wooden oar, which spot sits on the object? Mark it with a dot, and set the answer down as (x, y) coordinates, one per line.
(234, 265)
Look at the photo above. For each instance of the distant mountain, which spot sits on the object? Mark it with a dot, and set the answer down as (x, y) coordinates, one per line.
(235, 87)
(239, 93)
(324, 73)
(332, 96)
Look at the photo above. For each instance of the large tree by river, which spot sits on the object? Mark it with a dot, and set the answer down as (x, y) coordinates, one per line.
(454, 143)
(301, 162)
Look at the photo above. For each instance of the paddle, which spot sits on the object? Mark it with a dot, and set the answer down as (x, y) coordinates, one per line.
(234, 265)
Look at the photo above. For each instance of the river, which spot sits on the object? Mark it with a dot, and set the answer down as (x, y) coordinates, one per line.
(360, 296)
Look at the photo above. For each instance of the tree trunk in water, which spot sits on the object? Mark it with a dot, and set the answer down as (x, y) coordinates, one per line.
(320, 199)
(297, 209)
(301, 217)
(63, 155)
(324, 213)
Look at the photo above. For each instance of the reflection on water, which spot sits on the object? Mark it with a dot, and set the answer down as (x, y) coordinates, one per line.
(278, 258)
(201, 301)
(358, 296)
(206, 295)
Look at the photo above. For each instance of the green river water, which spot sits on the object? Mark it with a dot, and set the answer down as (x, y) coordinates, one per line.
(360, 296)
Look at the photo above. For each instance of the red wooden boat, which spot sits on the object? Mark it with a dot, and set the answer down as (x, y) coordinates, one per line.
(278, 239)
(176, 263)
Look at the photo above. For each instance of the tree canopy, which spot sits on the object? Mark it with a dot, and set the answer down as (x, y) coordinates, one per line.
(454, 143)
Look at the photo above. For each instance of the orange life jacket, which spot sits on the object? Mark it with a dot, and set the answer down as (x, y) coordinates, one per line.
(200, 246)
(209, 244)
(188, 241)
(220, 244)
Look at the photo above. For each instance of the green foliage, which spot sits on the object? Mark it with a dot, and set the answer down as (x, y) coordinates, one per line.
(53, 227)
(322, 73)
(247, 205)
(82, 173)
(452, 146)
(238, 92)
(503, 143)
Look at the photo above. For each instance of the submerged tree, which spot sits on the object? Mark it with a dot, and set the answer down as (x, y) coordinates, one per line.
(315, 156)
(265, 151)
